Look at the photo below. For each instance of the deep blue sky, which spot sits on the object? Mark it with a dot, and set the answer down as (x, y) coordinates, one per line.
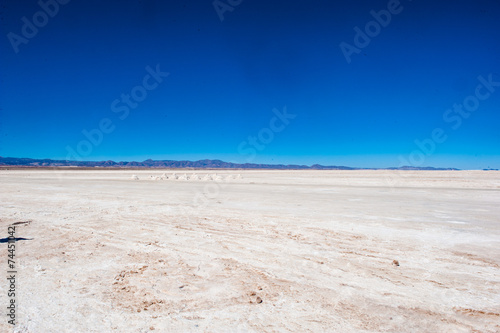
(226, 77)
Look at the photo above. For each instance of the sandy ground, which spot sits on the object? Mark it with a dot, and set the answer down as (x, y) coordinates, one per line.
(275, 251)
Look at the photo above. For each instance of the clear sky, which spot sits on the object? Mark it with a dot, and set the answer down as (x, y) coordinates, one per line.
(356, 83)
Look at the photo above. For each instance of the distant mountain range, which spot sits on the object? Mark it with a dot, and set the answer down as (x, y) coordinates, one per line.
(202, 164)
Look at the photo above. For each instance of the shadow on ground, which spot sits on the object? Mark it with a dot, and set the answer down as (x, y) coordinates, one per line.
(5, 240)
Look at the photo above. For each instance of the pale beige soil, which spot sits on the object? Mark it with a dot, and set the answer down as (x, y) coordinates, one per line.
(274, 251)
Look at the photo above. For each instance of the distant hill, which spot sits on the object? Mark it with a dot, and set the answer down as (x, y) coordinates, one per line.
(202, 164)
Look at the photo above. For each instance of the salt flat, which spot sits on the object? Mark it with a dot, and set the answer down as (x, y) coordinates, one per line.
(274, 251)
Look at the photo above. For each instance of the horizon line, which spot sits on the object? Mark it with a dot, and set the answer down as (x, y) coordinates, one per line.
(270, 165)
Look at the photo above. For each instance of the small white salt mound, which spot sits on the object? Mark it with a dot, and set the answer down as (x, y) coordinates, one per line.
(194, 176)
(238, 177)
(163, 177)
(174, 176)
(206, 177)
(134, 177)
(183, 177)
(228, 178)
